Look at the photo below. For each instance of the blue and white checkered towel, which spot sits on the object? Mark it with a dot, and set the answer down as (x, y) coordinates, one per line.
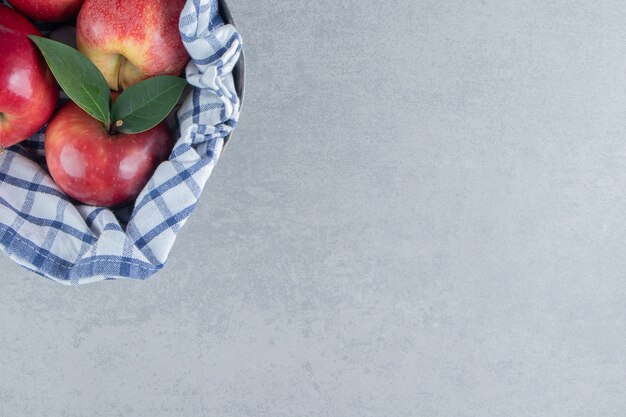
(44, 232)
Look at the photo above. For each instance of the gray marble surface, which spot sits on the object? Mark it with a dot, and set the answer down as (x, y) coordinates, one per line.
(422, 214)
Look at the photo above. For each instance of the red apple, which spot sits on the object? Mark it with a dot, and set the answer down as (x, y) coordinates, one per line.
(132, 40)
(47, 10)
(28, 92)
(97, 168)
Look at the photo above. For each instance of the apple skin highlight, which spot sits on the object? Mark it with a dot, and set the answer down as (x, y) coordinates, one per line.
(28, 92)
(132, 40)
(99, 169)
(47, 10)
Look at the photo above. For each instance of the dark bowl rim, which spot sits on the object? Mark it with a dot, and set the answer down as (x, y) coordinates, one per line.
(239, 71)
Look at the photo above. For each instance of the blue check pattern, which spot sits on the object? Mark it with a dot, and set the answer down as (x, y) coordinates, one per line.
(46, 232)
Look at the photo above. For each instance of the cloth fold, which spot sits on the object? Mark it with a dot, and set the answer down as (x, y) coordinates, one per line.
(43, 231)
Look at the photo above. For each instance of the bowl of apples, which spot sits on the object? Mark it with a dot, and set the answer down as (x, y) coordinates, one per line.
(109, 129)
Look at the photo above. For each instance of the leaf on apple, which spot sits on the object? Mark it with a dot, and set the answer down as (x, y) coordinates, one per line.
(144, 105)
(137, 109)
(81, 80)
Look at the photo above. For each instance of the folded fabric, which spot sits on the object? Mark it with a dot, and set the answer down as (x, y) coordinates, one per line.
(43, 231)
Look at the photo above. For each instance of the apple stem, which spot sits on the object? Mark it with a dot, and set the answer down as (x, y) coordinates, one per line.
(115, 126)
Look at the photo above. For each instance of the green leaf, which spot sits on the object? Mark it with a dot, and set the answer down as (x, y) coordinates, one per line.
(81, 80)
(146, 104)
